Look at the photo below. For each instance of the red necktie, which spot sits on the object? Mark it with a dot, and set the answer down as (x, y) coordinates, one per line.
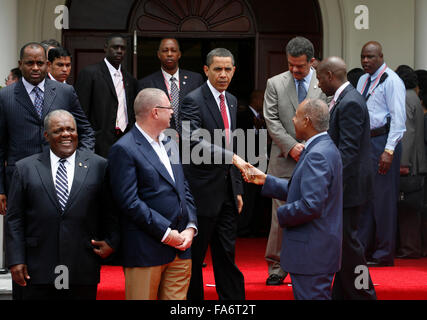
(224, 117)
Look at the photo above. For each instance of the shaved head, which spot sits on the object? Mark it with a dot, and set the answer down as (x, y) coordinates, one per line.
(331, 74)
(336, 66)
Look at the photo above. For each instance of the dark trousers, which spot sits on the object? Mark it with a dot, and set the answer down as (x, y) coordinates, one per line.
(352, 256)
(378, 220)
(49, 292)
(220, 233)
(312, 287)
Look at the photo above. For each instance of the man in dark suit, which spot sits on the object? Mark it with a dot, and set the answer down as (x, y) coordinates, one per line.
(59, 210)
(106, 92)
(312, 216)
(158, 216)
(217, 187)
(349, 129)
(23, 106)
(174, 81)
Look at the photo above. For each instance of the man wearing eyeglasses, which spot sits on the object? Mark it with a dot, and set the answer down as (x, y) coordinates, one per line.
(157, 211)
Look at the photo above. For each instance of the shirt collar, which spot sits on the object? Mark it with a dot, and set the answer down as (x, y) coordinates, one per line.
(52, 78)
(314, 137)
(147, 136)
(29, 87)
(340, 90)
(214, 91)
(375, 75)
(307, 78)
(55, 159)
(111, 68)
(168, 76)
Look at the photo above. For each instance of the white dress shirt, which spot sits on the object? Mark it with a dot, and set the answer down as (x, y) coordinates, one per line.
(116, 79)
(29, 87)
(69, 166)
(168, 76)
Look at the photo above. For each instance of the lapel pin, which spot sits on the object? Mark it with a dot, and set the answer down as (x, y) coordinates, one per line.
(185, 77)
(80, 164)
(85, 166)
(184, 82)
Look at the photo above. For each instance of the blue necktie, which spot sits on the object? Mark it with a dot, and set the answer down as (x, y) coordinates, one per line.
(38, 101)
(302, 93)
(368, 84)
(175, 103)
(62, 184)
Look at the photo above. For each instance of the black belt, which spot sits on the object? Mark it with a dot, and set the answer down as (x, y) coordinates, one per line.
(380, 131)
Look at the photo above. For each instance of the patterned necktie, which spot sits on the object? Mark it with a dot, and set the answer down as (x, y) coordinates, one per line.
(122, 119)
(302, 93)
(38, 101)
(224, 117)
(331, 105)
(61, 184)
(175, 103)
(368, 84)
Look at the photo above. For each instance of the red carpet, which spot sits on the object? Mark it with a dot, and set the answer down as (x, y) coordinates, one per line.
(407, 280)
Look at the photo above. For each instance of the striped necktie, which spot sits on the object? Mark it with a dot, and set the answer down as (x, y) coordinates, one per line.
(38, 101)
(61, 184)
(223, 109)
(175, 103)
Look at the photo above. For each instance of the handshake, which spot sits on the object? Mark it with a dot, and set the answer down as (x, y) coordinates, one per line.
(249, 172)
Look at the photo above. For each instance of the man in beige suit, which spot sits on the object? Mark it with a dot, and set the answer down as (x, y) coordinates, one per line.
(283, 94)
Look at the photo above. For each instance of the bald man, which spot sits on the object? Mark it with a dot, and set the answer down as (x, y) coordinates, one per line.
(385, 95)
(350, 131)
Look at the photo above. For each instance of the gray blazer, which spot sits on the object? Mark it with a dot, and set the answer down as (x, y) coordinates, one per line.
(413, 149)
(280, 104)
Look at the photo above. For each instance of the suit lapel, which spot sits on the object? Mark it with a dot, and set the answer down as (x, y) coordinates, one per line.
(23, 99)
(212, 106)
(289, 84)
(49, 96)
(148, 152)
(81, 169)
(232, 110)
(340, 97)
(107, 77)
(159, 82)
(44, 170)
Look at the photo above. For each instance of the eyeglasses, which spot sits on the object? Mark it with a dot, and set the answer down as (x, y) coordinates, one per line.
(160, 107)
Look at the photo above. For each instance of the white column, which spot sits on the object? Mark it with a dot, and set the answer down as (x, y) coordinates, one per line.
(9, 60)
(8, 37)
(420, 34)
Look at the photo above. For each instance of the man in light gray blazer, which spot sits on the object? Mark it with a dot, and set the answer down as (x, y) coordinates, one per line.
(283, 94)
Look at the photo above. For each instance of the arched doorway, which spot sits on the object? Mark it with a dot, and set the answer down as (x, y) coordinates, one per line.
(254, 30)
(199, 26)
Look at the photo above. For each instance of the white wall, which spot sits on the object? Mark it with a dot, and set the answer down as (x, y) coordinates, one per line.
(391, 22)
(8, 36)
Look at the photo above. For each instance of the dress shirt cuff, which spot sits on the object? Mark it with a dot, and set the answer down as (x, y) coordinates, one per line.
(193, 225)
(166, 234)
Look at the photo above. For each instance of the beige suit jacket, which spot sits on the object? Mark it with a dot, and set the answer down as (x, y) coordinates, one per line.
(280, 104)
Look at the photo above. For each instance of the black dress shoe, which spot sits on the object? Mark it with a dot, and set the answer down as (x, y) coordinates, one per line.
(376, 263)
(275, 280)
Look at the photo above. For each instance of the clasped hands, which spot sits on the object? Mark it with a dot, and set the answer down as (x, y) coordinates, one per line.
(249, 173)
(181, 241)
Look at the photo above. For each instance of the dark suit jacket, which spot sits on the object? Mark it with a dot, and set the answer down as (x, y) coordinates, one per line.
(349, 128)
(39, 235)
(312, 216)
(206, 180)
(98, 97)
(188, 82)
(149, 200)
(21, 130)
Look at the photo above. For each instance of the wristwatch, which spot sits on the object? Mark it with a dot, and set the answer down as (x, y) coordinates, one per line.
(390, 152)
